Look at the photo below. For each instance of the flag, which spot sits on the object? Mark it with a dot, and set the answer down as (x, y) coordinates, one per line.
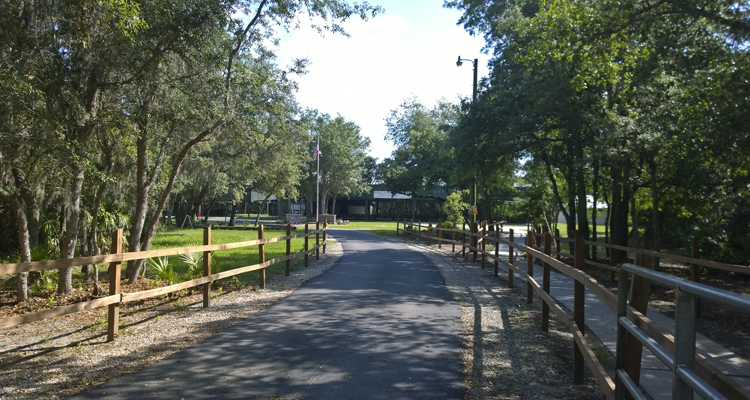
(317, 149)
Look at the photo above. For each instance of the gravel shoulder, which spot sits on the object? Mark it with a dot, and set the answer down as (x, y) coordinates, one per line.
(506, 355)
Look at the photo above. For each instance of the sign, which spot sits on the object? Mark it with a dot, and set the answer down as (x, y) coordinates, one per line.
(473, 210)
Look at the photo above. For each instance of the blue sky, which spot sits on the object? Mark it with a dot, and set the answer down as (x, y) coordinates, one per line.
(411, 49)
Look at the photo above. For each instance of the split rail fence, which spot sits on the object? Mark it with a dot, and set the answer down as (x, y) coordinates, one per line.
(115, 298)
(690, 370)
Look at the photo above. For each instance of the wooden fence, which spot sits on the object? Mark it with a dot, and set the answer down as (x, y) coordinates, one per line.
(583, 354)
(643, 255)
(117, 257)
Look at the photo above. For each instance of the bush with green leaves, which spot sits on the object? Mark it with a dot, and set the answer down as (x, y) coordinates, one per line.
(47, 281)
(163, 270)
(454, 207)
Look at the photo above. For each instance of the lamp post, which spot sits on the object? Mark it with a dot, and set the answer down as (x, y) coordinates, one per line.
(473, 194)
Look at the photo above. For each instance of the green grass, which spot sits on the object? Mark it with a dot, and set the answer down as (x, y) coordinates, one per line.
(381, 228)
(563, 227)
(233, 258)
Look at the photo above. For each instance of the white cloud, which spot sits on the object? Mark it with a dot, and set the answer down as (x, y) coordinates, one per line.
(386, 59)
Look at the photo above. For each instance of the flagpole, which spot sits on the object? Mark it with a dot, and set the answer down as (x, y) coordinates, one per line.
(317, 178)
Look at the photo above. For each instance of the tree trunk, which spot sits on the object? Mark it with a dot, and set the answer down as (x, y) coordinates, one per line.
(324, 203)
(634, 234)
(151, 229)
(138, 219)
(70, 237)
(333, 204)
(583, 225)
(260, 208)
(569, 215)
(31, 202)
(22, 280)
(93, 237)
(82, 228)
(656, 225)
(234, 214)
(619, 216)
(32, 225)
(607, 223)
(594, 209)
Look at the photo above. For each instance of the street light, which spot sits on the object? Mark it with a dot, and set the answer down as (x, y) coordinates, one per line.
(475, 63)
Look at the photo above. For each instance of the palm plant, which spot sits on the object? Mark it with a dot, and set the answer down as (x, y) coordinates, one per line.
(163, 270)
(194, 262)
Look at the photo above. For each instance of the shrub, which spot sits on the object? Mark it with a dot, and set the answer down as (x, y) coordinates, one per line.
(454, 207)
(163, 270)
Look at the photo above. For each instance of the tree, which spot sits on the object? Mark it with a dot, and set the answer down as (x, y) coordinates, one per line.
(421, 161)
(342, 161)
(454, 207)
(165, 74)
(620, 88)
(246, 37)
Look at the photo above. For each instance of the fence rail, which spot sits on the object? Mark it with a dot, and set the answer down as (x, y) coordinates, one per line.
(115, 298)
(682, 363)
(538, 248)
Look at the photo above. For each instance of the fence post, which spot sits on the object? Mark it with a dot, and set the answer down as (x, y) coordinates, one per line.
(546, 280)
(696, 269)
(261, 259)
(511, 255)
(684, 340)
(640, 289)
(463, 239)
(113, 317)
(288, 249)
(484, 244)
(206, 267)
(325, 234)
(307, 247)
(440, 236)
(557, 243)
(317, 240)
(579, 297)
(529, 267)
(622, 333)
(429, 233)
(474, 240)
(497, 251)
(453, 239)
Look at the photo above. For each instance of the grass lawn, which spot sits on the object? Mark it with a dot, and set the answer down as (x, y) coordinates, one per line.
(382, 228)
(233, 258)
(563, 227)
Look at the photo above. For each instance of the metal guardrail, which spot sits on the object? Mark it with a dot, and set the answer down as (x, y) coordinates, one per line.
(686, 381)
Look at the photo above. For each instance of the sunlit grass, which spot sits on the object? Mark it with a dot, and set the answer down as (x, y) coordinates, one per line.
(563, 227)
(381, 228)
(233, 258)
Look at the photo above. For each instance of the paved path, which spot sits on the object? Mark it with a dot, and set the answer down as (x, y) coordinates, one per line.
(379, 325)
(655, 376)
